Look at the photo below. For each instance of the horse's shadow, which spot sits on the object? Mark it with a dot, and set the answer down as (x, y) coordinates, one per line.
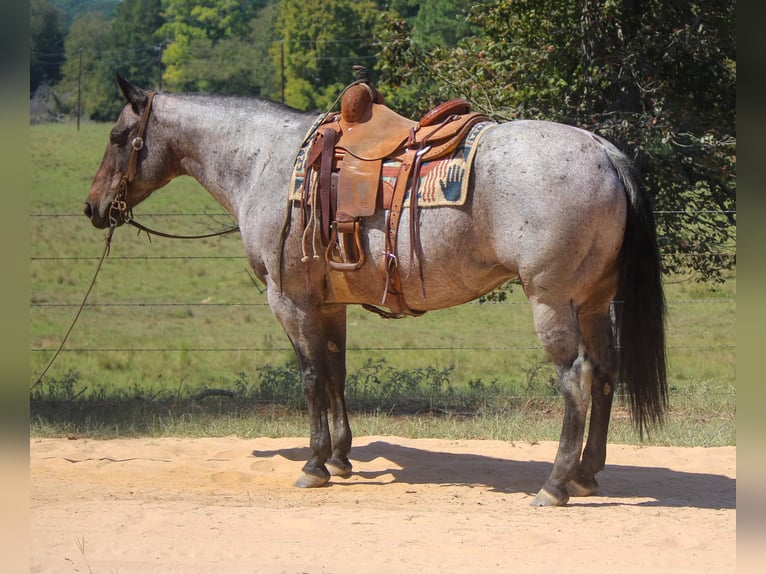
(666, 487)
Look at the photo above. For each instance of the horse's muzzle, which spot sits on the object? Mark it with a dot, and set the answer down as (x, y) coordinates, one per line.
(91, 213)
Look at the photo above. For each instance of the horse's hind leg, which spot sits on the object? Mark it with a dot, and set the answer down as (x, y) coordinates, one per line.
(559, 333)
(597, 332)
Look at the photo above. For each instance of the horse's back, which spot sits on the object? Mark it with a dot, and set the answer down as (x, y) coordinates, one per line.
(538, 163)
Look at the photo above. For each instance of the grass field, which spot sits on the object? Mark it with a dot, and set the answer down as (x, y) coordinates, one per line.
(168, 319)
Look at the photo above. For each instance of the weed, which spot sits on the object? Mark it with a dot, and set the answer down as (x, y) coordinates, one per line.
(80, 542)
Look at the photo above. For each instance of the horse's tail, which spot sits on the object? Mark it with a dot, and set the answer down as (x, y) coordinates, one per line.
(640, 303)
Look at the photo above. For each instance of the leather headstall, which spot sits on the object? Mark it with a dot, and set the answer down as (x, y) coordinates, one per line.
(118, 213)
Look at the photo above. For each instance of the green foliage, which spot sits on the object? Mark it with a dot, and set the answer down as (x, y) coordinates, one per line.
(191, 31)
(378, 385)
(134, 33)
(71, 9)
(442, 22)
(57, 389)
(279, 385)
(46, 43)
(223, 67)
(263, 33)
(433, 22)
(88, 70)
(213, 19)
(318, 52)
(98, 46)
(702, 416)
(657, 78)
(398, 57)
(219, 47)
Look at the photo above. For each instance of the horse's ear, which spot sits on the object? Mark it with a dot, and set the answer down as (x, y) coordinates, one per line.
(135, 96)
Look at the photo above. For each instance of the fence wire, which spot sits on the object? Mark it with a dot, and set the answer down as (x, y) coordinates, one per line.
(46, 346)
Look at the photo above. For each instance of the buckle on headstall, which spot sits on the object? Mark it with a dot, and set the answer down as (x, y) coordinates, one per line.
(341, 257)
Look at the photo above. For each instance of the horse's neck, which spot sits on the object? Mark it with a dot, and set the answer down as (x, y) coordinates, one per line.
(240, 150)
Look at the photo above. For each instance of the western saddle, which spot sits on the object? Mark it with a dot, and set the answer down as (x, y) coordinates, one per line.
(344, 166)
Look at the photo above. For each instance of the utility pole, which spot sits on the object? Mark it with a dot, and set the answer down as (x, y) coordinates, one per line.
(79, 90)
(159, 68)
(282, 66)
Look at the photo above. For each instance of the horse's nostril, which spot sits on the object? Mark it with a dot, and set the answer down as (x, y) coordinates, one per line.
(88, 211)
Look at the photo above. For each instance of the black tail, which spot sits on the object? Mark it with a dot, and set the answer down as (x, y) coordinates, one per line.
(640, 307)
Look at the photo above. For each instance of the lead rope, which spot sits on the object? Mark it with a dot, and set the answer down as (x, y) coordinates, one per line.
(107, 244)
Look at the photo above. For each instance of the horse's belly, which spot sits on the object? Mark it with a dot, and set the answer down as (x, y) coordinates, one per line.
(446, 283)
(459, 262)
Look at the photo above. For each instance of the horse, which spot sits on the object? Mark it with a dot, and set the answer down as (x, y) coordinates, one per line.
(554, 207)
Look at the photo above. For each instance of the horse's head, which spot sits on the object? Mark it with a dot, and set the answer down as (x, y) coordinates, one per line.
(134, 161)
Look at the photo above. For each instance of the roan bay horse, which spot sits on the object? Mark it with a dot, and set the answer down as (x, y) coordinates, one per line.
(553, 206)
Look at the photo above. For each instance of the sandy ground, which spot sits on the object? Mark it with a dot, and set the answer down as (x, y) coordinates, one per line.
(228, 505)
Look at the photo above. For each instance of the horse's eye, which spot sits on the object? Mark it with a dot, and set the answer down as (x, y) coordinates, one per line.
(119, 136)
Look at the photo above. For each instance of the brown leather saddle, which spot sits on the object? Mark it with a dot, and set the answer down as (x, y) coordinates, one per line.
(346, 155)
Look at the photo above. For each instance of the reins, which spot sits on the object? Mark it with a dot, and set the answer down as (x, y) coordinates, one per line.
(130, 221)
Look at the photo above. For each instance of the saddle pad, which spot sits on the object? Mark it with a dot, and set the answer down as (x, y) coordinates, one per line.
(443, 182)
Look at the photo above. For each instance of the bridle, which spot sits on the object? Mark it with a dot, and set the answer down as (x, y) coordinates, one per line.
(118, 211)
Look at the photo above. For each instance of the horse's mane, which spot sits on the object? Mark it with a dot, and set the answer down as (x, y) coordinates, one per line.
(236, 101)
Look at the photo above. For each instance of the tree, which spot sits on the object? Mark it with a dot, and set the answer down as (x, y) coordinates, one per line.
(319, 51)
(433, 22)
(193, 28)
(442, 22)
(89, 68)
(263, 33)
(657, 78)
(99, 45)
(134, 36)
(71, 9)
(233, 65)
(46, 43)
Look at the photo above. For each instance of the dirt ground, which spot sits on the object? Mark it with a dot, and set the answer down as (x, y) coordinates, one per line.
(228, 505)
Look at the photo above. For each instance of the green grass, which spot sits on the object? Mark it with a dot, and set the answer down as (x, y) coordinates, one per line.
(405, 403)
(169, 318)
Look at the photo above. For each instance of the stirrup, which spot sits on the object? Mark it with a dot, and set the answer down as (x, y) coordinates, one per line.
(340, 260)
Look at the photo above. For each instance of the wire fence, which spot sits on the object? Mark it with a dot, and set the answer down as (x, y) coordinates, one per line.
(218, 322)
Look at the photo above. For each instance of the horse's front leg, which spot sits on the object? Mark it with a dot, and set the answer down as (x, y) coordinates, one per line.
(339, 464)
(559, 333)
(318, 336)
(314, 377)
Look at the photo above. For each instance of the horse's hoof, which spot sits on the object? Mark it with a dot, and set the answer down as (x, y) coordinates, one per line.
(582, 487)
(339, 467)
(309, 480)
(545, 498)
